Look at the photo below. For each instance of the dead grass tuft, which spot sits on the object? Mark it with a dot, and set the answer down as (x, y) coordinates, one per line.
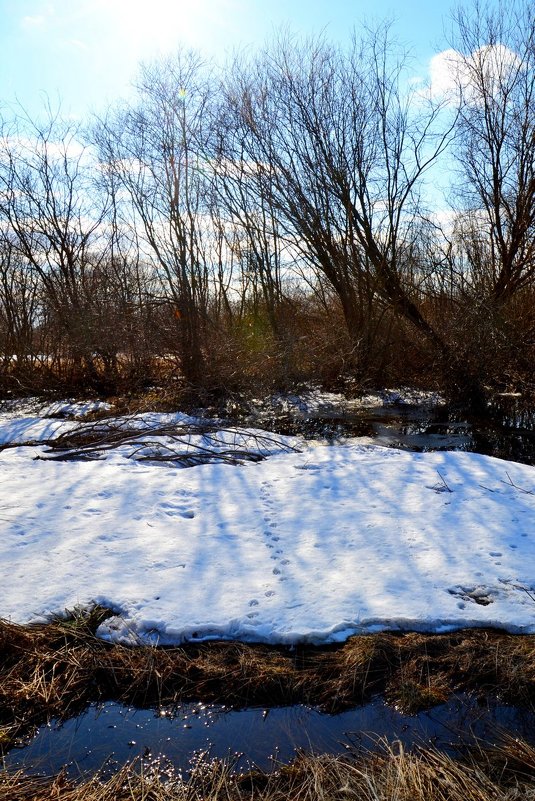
(508, 761)
(395, 775)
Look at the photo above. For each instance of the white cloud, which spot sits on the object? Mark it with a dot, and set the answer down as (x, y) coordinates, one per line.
(33, 22)
(33, 148)
(443, 73)
(452, 72)
(38, 20)
(77, 44)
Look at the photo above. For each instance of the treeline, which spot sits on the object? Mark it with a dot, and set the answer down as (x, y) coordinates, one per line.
(308, 212)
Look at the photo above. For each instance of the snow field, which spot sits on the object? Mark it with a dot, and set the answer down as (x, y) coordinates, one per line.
(311, 546)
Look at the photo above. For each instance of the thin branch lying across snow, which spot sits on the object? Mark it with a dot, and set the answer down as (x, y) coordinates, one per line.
(442, 486)
(186, 444)
(529, 591)
(511, 483)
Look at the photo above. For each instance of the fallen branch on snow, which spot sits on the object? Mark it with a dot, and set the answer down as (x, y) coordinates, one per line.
(511, 483)
(167, 443)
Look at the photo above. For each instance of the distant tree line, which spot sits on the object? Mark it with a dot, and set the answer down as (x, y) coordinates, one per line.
(277, 221)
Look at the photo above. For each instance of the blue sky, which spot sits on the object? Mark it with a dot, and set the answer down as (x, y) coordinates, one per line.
(85, 53)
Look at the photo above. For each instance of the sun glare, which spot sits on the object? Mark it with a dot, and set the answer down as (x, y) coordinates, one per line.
(161, 24)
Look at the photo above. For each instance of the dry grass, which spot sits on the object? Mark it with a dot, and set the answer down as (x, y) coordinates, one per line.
(395, 775)
(55, 670)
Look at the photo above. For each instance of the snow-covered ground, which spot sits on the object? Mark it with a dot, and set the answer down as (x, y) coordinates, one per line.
(315, 401)
(310, 545)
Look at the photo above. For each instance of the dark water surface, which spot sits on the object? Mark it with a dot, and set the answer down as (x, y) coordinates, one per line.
(109, 735)
(506, 431)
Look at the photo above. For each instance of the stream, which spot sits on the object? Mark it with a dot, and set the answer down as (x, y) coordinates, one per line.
(506, 432)
(106, 736)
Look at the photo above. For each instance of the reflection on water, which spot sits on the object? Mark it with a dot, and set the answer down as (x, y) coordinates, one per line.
(508, 431)
(114, 734)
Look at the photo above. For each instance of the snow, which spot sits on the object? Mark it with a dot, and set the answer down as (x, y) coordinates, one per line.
(42, 422)
(74, 408)
(308, 545)
(314, 404)
(314, 401)
(26, 429)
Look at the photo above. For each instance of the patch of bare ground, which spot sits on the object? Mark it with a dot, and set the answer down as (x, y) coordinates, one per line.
(55, 670)
(503, 773)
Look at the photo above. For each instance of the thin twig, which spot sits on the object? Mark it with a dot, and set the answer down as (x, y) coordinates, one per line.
(446, 486)
(512, 484)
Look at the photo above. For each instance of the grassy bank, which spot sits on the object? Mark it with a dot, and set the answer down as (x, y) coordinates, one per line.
(503, 773)
(54, 670)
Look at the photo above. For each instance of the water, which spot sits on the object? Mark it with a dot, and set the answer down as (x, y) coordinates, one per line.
(109, 735)
(505, 433)
(508, 430)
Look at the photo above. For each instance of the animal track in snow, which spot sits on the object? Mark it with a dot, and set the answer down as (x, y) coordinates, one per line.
(271, 526)
(476, 595)
(173, 510)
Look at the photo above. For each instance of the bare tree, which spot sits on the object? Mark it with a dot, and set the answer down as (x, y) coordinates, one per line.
(339, 148)
(495, 69)
(156, 149)
(54, 216)
(18, 309)
(251, 225)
